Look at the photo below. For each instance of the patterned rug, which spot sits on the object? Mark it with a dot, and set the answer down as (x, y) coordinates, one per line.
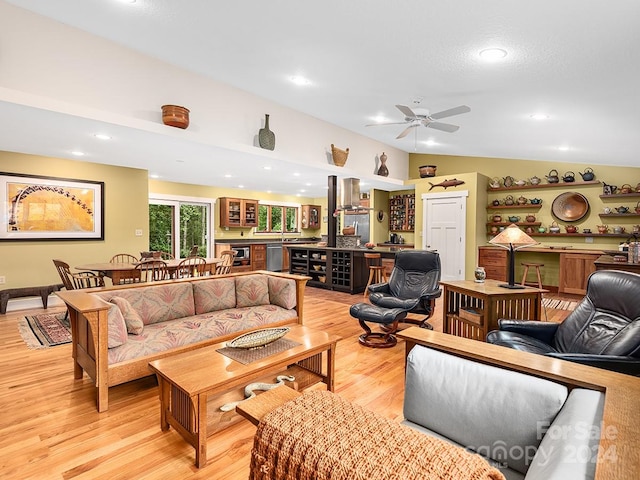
(558, 304)
(45, 330)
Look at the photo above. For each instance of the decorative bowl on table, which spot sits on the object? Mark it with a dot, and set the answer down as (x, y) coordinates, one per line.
(259, 338)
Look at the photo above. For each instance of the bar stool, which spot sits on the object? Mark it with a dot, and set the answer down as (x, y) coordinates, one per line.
(537, 266)
(376, 270)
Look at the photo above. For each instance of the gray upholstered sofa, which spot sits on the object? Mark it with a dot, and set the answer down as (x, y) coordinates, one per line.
(118, 330)
(527, 426)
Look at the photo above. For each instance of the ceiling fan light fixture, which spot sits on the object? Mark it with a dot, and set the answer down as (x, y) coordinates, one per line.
(493, 54)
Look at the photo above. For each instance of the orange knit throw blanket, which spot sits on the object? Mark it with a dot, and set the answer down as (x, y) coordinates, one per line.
(320, 436)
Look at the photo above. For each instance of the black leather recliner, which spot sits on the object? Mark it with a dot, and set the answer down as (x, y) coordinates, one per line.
(603, 331)
(413, 285)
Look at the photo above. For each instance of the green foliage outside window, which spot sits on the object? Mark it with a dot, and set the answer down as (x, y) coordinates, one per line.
(270, 218)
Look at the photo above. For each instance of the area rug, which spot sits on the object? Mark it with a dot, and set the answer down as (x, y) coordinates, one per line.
(45, 330)
(558, 304)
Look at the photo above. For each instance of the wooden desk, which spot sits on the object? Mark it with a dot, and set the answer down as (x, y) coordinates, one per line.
(118, 271)
(188, 380)
(489, 299)
(605, 262)
(619, 442)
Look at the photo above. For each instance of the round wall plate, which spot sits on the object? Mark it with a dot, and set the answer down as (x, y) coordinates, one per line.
(570, 207)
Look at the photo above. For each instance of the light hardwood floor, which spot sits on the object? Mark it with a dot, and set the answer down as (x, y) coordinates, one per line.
(50, 429)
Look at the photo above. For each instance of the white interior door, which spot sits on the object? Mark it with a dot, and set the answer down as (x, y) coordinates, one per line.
(444, 216)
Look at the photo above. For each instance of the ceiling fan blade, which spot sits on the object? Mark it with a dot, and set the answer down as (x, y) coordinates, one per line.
(406, 131)
(406, 110)
(451, 112)
(445, 127)
(392, 123)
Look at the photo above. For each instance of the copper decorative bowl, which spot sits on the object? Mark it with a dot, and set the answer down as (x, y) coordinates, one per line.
(175, 116)
(570, 207)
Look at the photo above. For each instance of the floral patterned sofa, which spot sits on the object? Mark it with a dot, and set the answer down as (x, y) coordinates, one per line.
(118, 330)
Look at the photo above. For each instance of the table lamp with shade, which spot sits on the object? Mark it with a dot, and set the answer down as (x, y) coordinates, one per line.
(512, 238)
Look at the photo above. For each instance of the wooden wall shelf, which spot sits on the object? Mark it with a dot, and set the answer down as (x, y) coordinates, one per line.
(515, 205)
(545, 185)
(620, 195)
(619, 215)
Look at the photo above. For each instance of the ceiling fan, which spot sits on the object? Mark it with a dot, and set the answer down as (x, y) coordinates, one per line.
(424, 118)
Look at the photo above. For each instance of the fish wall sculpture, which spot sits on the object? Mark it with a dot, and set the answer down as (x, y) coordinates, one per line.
(454, 182)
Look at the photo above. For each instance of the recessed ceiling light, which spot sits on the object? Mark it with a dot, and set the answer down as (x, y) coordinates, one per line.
(493, 54)
(240, 186)
(296, 174)
(302, 190)
(154, 176)
(227, 176)
(540, 116)
(77, 153)
(430, 143)
(299, 80)
(379, 119)
(102, 136)
(564, 148)
(267, 167)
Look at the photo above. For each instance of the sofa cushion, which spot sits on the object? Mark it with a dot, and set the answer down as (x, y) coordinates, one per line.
(214, 294)
(252, 290)
(282, 292)
(490, 410)
(159, 337)
(116, 326)
(157, 303)
(132, 319)
(569, 448)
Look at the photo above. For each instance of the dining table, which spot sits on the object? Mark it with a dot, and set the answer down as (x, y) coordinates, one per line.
(121, 271)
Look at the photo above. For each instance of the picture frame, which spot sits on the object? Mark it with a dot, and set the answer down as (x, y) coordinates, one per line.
(41, 208)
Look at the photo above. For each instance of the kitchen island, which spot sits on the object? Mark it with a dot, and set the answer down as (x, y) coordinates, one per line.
(342, 269)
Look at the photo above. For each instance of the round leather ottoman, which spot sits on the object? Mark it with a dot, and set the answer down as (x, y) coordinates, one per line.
(386, 317)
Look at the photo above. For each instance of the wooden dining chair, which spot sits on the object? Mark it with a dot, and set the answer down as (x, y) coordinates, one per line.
(77, 280)
(191, 267)
(128, 277)
(227, 262)
(152, 270)
(123, 258)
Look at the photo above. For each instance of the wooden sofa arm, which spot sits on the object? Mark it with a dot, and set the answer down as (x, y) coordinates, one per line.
(619, 442)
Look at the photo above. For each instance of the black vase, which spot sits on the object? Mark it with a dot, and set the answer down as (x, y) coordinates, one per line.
(266, 137)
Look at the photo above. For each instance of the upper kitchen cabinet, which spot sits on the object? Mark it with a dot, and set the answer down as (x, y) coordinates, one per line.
(310, 216)
(238, 212)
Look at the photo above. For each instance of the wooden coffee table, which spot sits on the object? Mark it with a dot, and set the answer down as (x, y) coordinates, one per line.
(186, 381)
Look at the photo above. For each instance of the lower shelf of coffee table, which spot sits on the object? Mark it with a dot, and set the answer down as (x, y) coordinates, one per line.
(218, 420)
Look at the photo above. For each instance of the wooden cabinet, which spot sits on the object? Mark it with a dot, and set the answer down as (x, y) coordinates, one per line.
(259, 256)
(238, 212)
(402, 213)
(342, 270)
(310, 216)
(574, 271)
(311, 262)
(494, 261)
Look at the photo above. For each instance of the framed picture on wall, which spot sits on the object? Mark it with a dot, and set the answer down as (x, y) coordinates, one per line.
(49, 208)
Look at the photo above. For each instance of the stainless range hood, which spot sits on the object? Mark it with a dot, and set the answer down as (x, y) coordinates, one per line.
(350, 194)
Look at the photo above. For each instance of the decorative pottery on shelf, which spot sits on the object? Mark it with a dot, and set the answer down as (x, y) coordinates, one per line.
(175, 116)
(339, 155)
(480, 274)
(383, 170)
(266, 138)
(427, 171)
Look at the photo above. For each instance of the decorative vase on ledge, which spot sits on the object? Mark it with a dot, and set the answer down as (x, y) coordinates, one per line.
(383, 170)
(266, 138)
(175, 116)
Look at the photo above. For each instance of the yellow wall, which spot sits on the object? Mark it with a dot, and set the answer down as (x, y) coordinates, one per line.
(125, 210)
(451, 166)
(213, 193)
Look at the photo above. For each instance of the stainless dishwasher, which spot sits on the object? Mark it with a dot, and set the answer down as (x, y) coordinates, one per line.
(274, 257)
